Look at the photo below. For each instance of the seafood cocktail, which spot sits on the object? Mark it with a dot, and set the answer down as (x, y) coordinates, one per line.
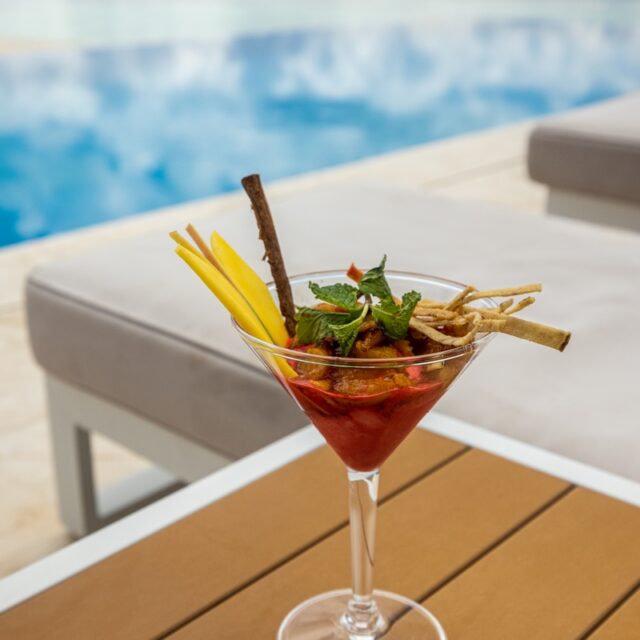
(365, 354)
(367, 401)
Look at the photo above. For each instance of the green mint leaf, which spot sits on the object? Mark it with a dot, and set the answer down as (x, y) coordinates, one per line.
(395, 318)
(342, 295)
(375, 284)
(314, 325)
(346, 334)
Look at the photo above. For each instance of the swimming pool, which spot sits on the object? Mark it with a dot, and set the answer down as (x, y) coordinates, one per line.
(92, 136)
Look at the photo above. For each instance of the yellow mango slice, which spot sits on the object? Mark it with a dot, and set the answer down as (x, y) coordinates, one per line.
(231, 298)
(252, 287)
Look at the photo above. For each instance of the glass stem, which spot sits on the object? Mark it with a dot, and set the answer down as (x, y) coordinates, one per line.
(362, 618)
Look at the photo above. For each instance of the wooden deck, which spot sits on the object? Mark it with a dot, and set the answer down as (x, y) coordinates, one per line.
(494, 549)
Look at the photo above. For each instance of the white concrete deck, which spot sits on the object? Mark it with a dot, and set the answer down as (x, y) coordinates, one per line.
(487, 166)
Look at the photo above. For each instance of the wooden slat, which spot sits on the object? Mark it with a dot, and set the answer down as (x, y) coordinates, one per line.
(165, 579)
(553, 579)
(425, 534)
(624, 623)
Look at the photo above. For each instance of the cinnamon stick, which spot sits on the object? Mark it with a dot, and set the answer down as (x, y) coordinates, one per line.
(273, 254)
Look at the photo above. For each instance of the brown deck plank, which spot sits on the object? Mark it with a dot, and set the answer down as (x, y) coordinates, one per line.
(425, 534)
(553, 579)
(155, 584)
(624, 623)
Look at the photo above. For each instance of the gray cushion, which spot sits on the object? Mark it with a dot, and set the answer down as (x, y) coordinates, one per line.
(595, 150)
(134, 325)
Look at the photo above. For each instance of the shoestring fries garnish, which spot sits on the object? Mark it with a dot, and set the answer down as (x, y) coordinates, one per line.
(429, 316)
(206, 251)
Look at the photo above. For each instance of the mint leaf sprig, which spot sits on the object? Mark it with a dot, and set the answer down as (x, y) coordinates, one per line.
(341, 295)
(343, 323)
(314, 325)
(374, 283)
(346, 334)
(394, 318)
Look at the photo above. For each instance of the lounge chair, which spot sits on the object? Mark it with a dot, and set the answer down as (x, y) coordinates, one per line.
(590, 160)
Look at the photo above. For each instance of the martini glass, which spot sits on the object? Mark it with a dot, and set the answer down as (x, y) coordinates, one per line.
(366, 410)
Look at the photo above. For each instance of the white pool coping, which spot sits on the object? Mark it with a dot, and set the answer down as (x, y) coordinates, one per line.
(80, 555)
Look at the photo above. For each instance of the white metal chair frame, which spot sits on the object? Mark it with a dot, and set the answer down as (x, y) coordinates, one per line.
(590, 208)
(74, 414)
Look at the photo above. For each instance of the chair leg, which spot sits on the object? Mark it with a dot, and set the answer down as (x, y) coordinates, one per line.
(73, 416)
(74, 471)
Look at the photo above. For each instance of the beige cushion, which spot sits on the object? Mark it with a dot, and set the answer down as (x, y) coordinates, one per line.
(132, 323)
(595, 150)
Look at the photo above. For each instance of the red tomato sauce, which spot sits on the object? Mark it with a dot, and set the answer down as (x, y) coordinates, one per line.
(365, 429)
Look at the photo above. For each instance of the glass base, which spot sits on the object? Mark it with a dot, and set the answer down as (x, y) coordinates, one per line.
(321, 618)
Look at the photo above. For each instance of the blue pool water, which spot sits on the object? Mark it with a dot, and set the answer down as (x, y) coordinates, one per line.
(92, 136)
